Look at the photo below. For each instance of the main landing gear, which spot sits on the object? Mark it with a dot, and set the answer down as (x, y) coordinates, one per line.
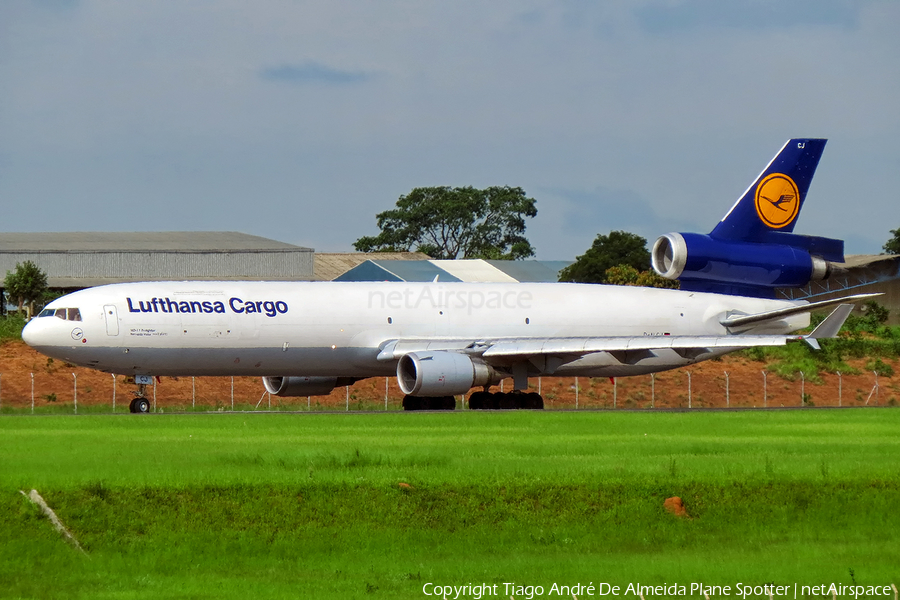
(478, 401)
(429, 403)
(505, 401)
(140, 404)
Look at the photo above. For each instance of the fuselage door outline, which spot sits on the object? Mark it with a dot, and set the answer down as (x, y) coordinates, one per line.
(112, 319)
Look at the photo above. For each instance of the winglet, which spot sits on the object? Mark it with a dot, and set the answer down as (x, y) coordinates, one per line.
(830, 326)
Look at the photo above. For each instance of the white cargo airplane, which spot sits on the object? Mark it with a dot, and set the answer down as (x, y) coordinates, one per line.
(443, 339)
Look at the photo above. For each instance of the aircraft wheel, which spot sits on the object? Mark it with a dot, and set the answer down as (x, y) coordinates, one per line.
(141, 405)
(438, 403)
(533, 401)
(477, 400)
(505, 401)
(521, 400)
(131, 407)
(412, 403)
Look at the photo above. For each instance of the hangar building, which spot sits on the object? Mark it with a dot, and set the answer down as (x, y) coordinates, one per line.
(860, 274)
(84, 259)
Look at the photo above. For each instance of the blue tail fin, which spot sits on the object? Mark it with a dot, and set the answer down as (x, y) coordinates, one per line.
(753, 250)
(773, 202)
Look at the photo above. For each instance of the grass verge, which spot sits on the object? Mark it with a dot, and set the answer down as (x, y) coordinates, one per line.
(212, 506)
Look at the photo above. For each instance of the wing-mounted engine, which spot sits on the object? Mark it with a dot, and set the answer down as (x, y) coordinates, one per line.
(305, 386)
(753, 249)
(442, 373)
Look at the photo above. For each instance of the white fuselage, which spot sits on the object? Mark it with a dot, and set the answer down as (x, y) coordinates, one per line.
(338, 329)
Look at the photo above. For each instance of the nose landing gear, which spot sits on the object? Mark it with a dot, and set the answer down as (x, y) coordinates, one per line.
(140, 404)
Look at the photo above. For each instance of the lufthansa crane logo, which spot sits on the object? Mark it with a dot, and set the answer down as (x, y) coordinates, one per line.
(777, 200)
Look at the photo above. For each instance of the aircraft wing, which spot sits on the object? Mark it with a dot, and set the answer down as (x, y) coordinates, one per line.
(627, 350)
(624, 349)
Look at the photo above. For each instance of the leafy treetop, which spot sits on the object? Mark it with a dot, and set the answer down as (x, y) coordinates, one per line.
(450, 223)
(892, 246)
(628, 275)
(607, 251)
(27, 284)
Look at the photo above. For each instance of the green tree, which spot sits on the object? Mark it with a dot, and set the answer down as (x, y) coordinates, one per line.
(616, 249)
(449, 223)
(874, 315)
(621, 275)
(651, 278)
(27, 284)
(628, 275)
(893, 245)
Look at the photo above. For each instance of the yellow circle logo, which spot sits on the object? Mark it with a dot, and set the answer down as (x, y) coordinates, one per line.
(777, 200)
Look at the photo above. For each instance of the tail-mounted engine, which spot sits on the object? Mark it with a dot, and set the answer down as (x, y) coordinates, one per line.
(703, 263)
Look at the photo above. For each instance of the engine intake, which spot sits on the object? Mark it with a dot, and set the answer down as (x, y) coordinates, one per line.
(304, 386)
(442, 373)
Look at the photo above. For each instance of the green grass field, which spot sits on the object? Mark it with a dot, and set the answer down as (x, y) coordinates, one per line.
(309, 506)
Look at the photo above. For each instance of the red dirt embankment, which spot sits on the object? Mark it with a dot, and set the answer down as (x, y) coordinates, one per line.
(54, 385)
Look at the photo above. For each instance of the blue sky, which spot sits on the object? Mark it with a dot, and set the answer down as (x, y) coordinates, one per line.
(300, 121)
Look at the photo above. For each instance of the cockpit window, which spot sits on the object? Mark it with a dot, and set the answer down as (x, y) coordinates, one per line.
(66, 314)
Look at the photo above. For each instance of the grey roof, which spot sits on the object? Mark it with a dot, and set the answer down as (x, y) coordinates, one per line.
(415, 270)
(532, 271)
(852, 261)
(72, 283)
(329, 266)
(396, 270)
(471, 270)
(141, 241)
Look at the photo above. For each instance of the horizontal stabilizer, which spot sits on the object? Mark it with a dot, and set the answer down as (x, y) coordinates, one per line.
(742, 320)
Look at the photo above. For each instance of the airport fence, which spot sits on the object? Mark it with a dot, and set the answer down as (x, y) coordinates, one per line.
(80, 391)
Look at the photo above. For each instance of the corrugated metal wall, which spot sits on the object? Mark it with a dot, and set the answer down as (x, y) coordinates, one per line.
(256, 264)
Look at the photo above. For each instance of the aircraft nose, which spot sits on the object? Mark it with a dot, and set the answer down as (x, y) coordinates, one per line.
(28, 334)
(36, 333)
